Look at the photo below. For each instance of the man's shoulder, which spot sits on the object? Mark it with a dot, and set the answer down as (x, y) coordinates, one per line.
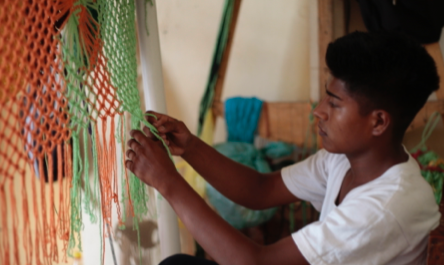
(401, 185)
(403, 194)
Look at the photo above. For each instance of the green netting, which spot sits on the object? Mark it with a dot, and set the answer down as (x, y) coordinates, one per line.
(118, 32)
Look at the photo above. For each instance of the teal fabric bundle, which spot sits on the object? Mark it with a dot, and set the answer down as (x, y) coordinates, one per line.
(242, 116)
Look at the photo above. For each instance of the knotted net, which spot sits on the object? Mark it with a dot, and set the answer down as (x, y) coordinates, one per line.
(68, 75)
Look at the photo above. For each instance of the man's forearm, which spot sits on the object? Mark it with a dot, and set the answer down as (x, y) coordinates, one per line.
(225, 244)
(236, 181)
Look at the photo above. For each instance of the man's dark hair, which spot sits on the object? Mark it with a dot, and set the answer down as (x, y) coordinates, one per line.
(384, 70)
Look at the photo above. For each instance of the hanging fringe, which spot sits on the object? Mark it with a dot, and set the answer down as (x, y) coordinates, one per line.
(64, 182)
(39, 239)
(27, 239)
(75, 198)
(4, 239)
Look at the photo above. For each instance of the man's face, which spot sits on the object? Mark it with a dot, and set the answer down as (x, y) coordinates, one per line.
(342, 128)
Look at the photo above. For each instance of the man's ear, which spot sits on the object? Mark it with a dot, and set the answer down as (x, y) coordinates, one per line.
(381, 120)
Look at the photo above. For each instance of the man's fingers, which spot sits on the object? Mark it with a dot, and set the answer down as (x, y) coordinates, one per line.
(139, 136)
(129, 165)
(148, 133)
(150, 117)
(151, 136)
(168, 127)
(134, 145)
(165, 139)
(158, 120)
(130, 154)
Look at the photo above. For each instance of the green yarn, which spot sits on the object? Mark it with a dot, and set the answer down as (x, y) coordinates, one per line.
(427, 132)
(83, 113)
(291, 217)
(96, 188)
(112, 25)
(146, 15)
(117, 18)
(75, 199)
(123, 196)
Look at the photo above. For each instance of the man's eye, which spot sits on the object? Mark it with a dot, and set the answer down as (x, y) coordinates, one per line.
(333, 105)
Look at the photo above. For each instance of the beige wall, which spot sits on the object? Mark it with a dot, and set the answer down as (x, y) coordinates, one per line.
(269, 58)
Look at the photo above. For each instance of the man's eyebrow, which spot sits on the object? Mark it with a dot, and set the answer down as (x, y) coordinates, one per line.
(332, 95)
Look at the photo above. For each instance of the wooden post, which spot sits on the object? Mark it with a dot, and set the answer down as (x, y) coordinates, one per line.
(325, 16)
(224, 63)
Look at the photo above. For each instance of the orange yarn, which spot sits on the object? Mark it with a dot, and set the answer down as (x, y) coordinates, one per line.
(37, 124)
(33, 120)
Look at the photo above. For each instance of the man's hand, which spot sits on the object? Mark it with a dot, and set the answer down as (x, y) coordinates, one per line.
(149, 161)
(175, 134)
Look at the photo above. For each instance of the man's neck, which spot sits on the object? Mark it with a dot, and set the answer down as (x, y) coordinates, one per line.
(373, 163)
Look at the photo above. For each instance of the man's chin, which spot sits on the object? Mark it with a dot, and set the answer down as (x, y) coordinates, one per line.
(331, 149)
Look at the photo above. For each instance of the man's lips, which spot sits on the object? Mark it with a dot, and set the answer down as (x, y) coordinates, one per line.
(321, 131)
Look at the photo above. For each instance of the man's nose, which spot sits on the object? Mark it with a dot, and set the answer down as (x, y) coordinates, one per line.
(319, 112)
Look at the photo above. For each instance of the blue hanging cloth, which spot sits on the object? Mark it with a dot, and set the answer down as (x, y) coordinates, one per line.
(242, 117)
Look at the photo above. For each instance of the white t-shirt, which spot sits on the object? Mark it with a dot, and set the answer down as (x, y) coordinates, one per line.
(385, 221)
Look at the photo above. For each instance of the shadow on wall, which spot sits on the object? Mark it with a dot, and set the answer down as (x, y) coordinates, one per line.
(127, 239)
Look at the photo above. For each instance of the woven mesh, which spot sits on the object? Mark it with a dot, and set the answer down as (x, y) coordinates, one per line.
(34, 120)
(119, 36)
(68, 72)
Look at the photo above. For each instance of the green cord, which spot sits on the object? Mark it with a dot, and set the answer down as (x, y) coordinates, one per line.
(146, 15)
(117, 34)
(304, 213)
(292, 224)
(221, 43)
(428, 130)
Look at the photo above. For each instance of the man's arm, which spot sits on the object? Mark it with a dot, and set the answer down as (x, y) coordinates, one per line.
(239, 183)
(220, 240)
(149, 162)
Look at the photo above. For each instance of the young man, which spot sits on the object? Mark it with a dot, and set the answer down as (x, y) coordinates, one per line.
(375, 206)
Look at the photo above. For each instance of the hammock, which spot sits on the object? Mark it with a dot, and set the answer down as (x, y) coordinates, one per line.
(68, 75)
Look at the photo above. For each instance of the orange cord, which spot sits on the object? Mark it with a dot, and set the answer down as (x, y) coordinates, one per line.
(35, 120)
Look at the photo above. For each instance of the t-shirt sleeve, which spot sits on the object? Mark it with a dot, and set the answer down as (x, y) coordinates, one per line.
(307, 180)
(349, 235)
